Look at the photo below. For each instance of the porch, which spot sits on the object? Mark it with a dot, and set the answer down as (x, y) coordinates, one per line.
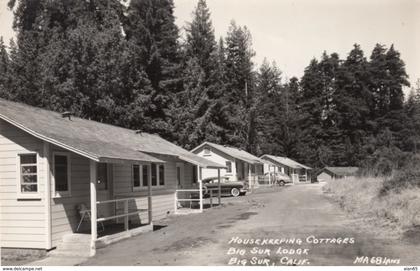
(195, 198)
(105, 220)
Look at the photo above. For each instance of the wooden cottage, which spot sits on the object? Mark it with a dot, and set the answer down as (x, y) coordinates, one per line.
(240, 165)
(297, 171)
(331, 173)
(56, 169)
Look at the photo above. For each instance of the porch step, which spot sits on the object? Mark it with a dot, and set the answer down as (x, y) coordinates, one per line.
(73, 245)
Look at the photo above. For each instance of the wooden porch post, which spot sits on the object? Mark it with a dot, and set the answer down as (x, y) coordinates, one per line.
(249, 176)
(93, 207)
(269, 175)
(200, 183)
(149, 196)
(47, 162)
(219, 196)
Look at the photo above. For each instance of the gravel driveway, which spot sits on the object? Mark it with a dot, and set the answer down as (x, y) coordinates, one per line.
(292, 225)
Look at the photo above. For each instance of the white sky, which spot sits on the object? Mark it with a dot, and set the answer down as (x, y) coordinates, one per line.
(291, 32)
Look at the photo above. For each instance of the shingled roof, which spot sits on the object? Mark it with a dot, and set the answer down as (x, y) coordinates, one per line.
(342, 171)
(94, 140)
(231, 151)
(284, 161)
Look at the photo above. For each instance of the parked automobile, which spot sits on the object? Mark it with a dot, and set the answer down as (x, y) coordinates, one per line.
(228, 188)
(277, 178)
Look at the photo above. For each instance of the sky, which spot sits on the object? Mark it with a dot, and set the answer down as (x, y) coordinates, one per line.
(292, 32)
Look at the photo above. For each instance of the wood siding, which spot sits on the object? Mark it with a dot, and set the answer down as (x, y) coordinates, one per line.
(220, 158)
(163, 197)
(64, 215)
(22, 220)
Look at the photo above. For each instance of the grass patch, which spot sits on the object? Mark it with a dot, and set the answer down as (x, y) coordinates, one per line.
(392, 212)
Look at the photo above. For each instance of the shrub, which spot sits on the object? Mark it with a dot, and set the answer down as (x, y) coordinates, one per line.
(406, 177)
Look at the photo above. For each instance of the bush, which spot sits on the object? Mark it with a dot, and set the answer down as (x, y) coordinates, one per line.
(391, 212)
(407, 177)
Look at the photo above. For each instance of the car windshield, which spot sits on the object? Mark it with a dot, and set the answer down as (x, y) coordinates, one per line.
(214, 180)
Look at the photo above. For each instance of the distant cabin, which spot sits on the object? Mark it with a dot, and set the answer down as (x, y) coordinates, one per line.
(51, 164)
(331, 173)
(240, 165)
(298, 172)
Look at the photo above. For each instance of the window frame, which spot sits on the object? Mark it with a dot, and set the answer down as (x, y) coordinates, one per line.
(206, 151)
(228, 169)
(27, 195)
(106, 174)
(158, 175)
(140, 171)
(135, 188)
(59, 194)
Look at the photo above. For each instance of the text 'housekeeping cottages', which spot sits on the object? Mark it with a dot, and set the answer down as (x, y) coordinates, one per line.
(55, 168)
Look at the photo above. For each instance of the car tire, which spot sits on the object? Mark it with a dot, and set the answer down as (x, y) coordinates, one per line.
(282, 183)
(235, 192)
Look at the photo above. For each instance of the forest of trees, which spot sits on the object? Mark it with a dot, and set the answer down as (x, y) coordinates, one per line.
(130, 66)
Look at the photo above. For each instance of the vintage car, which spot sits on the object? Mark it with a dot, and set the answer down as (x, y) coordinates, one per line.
(228, 188)
(277, 178)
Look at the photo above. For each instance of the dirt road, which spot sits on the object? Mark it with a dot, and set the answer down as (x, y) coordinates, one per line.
(294, 225)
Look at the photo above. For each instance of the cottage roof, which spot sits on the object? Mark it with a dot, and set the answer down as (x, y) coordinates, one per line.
(284, 161)
(94, 140)
(342, 171)
(231, 151)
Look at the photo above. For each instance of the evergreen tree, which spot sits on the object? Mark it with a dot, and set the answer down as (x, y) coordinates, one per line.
(200, 98)
(32, 35)
(150, 27)
(412, 109)
(240, 88)
(200, 41)
(4, 70)
(269, 113)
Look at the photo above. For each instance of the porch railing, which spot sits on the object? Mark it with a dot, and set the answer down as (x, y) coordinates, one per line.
(189, 196)
(126, 214)
(193, 195)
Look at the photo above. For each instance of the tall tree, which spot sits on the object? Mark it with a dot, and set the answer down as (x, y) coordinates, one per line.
(150, 27)
(268, 123)
(240, 87)
(31, 37)
(4, 70)
(412, 109)
(200, 98)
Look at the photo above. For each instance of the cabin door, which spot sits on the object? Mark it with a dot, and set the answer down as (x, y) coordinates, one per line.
(180, 180)
(105, 190)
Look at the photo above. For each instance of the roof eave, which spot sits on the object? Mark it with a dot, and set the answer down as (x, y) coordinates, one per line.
(73, 149)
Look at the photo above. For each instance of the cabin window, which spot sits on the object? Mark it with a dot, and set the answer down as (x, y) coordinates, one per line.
(61, 173)
(194, 174)
(154, 175)
(136, 176)
(207, 151)
(252, 168)
(161, 175)
(140, 176)
(178, 175)
(28, 169)
(145, 175)
(158, 175)
(229, 167)
(102, 183)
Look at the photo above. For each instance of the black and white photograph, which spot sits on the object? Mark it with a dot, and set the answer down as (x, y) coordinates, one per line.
(209, 133)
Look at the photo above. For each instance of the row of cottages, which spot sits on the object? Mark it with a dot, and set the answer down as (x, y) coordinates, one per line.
(240, 165)
(298, 172)
(332, 173)
(56, 168)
